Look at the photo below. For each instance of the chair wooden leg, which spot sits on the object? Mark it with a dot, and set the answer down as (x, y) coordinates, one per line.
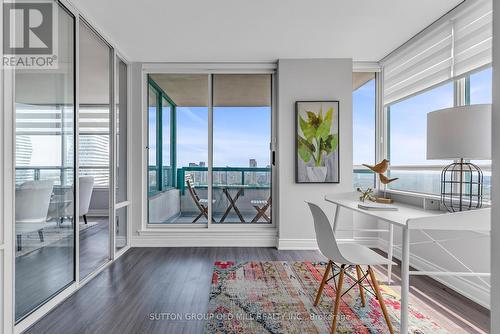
(361, 290)
(323, 282)
(85, 218)
(337, 300)
(197, 217)
(380, 299)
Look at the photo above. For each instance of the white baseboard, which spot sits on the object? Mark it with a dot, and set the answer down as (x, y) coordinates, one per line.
(474, 292)
(311, 244)
(205, 238)
(98, 213)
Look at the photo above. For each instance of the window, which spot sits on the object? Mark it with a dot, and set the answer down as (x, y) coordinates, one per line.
(152, 133)
(479, 85)
(363, 113)
(166, 144)
(407, 141)
(181, 130)
(407, 133)
(161, 135)
(479, 91)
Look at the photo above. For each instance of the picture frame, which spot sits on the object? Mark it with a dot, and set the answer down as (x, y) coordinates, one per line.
(317, 141)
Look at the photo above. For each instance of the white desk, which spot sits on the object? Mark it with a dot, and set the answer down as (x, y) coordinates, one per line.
(410, 217)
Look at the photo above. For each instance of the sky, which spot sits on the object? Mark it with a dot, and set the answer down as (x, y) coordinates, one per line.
(363, 120)
(240, 134)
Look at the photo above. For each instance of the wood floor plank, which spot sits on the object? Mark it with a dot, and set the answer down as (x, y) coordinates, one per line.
(146, 282)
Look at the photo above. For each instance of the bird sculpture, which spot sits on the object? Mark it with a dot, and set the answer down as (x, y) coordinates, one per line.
(379, 168)
(385, 180)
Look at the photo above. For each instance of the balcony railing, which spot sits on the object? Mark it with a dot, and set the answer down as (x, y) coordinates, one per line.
(423, 179)
(61, 175)
(250, 177)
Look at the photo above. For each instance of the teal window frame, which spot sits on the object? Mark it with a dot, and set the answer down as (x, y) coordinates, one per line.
(160, 168)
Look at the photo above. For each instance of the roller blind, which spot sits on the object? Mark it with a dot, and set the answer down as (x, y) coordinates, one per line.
(456, 44)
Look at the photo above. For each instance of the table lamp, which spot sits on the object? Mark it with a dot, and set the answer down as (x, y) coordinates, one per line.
(460, 134)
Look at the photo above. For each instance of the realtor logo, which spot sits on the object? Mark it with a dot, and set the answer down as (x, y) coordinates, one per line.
(29, 34)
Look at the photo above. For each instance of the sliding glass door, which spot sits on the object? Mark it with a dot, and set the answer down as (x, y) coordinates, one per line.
(94, 141)
(178, 148)
(121, 149)
(69, 172)
(191, 115)
(45, 174)
(241, 177)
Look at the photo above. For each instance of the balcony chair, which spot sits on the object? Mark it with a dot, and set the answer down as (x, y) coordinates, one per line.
(261, 205)
(32, 205)
(201, 203)
(347, 256)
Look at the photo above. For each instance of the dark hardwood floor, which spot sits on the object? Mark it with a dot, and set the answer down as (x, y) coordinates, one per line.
(94, 247)
(144, 281)
(45, 271)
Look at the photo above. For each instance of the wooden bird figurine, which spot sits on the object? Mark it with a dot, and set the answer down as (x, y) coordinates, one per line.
(379, 168)
(385, 180)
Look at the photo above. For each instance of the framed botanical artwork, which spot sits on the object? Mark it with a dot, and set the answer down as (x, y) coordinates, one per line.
(317, 142)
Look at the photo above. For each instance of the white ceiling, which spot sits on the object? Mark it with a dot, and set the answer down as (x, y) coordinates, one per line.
(260, 30)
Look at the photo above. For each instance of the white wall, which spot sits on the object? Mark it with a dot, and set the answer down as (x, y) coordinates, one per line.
(495, 235)
(310, 79)
(164, 206)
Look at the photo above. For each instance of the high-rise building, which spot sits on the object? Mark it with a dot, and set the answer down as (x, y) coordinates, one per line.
(252, 179)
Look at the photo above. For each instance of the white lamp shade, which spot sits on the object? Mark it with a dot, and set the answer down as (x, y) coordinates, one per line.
(459, 132)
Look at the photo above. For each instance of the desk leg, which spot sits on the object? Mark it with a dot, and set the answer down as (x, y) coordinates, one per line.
(389, 254)
(405, 280)
(336, 218)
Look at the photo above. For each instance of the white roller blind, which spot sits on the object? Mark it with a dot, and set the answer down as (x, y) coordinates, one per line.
(473, 32)
(454, 45)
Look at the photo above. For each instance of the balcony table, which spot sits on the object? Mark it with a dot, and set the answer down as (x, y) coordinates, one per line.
(409, 217)
(232, 200)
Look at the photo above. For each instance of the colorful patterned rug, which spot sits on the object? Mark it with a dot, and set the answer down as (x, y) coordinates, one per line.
(278, 297)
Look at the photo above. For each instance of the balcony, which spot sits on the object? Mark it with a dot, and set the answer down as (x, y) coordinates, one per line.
(236, 192)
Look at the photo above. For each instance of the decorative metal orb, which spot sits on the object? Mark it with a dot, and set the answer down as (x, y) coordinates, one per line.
(462, 187)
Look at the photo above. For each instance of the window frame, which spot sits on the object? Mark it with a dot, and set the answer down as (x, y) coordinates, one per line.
(160, 97)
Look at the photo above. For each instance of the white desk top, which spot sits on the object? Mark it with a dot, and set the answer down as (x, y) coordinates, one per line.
(415, 217)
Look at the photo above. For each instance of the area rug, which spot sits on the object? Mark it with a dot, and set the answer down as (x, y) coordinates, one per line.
(278, 297)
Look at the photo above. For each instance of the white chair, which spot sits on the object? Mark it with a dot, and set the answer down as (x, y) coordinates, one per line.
(86, 189)
(32, 205)
(347, 256)
(85, 195)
